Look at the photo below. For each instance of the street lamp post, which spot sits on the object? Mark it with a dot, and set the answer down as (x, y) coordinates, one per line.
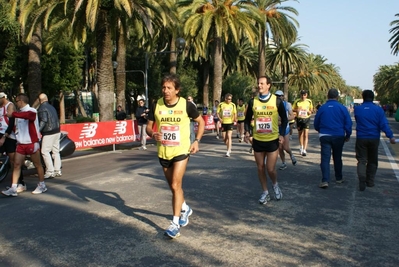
(180, 44)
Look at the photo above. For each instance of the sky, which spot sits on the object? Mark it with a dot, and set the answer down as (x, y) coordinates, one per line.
(351, 34)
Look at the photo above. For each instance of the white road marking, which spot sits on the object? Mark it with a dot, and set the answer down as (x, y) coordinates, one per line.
(391, 159)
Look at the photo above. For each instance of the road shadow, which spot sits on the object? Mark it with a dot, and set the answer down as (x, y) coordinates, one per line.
(114, 200)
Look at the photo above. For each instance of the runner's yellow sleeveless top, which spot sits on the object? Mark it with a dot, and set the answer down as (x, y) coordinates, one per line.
(226, 112)
(174, 125)
(303, 107)
(240, 112)
(266, 119)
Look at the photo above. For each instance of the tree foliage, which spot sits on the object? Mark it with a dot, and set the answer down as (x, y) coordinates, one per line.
(395, 36)
(62, 69)
(386, 84)
(239, 85)
(223, 52)
(12, 59)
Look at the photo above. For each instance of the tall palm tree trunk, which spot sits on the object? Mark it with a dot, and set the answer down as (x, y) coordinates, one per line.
(34, 67)
(105, 77)
(120, 70)
(217, 69)
(86, 70)
(172, 56)
(262, 61)
(62, 107)
(206, 83)
(286, 87)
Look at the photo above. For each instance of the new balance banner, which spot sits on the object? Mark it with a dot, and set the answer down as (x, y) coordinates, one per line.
(94, 134)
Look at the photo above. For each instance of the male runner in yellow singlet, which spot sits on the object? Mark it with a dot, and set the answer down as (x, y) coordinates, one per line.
(266, 109)
(241, 107)
(227, 114)
(303, 108)
(172, 115)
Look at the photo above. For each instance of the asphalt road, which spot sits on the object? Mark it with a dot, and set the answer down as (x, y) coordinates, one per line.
(111, 209)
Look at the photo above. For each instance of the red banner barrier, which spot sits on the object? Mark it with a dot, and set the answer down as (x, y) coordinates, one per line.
(209, 123)
(94, 134)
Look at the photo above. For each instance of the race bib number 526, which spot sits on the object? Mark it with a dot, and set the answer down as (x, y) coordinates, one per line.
(170, 135)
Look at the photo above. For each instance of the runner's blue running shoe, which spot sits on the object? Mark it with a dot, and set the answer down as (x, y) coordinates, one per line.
(184, 216)
(173, 230)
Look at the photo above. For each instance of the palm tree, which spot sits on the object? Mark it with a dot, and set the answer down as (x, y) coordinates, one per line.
(34, 17)
(30, 15)
(197, 51)
(277, 24)
(240, 57)
(386, 83)
(120, 73)
(10, 37)
(215, 22)
(124, 25)
(286, 57)
(316, 75)
(103, 18)
(395, 37)
(173, 28)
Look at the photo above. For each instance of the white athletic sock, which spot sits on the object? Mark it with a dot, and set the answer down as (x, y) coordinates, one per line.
(184, 206)
(176, 220)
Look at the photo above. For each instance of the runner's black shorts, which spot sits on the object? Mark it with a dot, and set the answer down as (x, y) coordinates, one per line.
(227, 127)
(168, 163)
(262, 146)
(302, 123)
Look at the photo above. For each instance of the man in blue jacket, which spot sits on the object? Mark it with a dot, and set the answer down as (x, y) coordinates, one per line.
(370, 121)
(334, 124)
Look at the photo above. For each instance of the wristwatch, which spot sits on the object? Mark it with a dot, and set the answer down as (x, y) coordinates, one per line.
(196, 140)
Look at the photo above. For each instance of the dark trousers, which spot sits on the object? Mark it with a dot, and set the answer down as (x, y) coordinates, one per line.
(367, 159)
(335, 145)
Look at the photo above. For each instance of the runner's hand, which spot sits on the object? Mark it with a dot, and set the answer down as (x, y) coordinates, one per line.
(194, 148)
(157, 136)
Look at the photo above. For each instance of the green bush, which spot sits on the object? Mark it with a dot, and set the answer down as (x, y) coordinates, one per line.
(84, 119)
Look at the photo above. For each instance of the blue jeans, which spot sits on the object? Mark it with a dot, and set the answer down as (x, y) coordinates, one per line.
(334, 144)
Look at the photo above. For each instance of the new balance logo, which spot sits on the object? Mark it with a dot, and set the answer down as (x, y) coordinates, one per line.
(120, 127)
(88, 131)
